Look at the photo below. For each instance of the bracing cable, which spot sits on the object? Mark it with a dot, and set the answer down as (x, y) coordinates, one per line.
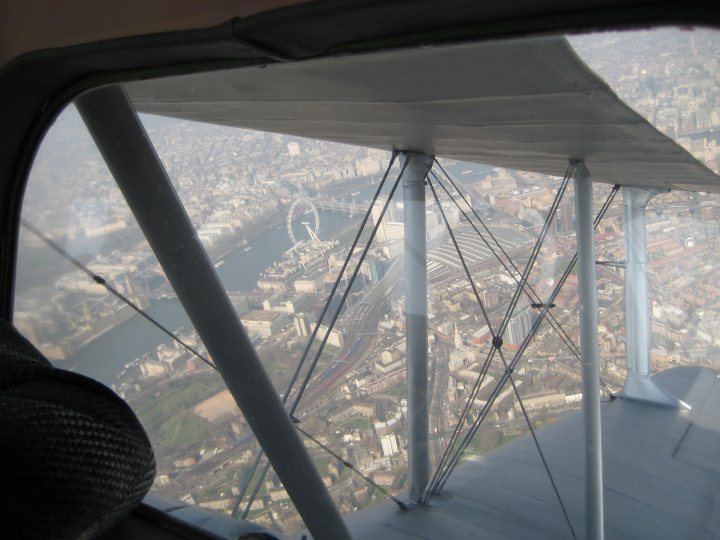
(502, 357)
(462, 259)
(539, 449)
(315, 331)
(103, 282)
(529, 291)
(497, 342)
(246, 484)
(334, 289)
(347, 290)
(553, 322)
(335, 316)
(442, 477)
(457, 454)
(475, 292)
(506, 319)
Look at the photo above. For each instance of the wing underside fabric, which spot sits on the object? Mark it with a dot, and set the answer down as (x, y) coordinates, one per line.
(525, 104)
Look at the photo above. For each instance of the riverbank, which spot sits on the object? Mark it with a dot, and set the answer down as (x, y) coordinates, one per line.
(107, 354)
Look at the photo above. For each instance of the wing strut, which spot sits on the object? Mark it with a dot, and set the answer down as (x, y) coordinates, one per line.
(638, 385)
(140, 175)
(416, 322)
(587, 291)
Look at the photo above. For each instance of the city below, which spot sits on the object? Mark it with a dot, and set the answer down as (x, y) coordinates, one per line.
(277, 215)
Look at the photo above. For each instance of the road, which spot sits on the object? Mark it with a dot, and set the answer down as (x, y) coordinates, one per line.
(439, 376)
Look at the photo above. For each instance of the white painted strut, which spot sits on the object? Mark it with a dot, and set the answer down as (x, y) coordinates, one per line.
(638, 384)
(416, 318)
(594, 528)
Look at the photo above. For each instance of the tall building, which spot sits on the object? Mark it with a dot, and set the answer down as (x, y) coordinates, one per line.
(519, 327)
(457, 338)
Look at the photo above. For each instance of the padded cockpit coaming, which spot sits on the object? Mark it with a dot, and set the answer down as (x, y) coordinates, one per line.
(74, 459)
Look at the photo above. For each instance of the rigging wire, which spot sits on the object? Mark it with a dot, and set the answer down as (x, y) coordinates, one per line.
(502, 357)
(350, 466)
(532, 294)
(553, 322)
(313, 335)
(333, 320)
(426, 495)
(450, 459)
(441, 473)
(103, 282)
(530, 291)
(341, 273)
(478, 421)
(455, 459)
(462, 259)
(539, 449)
(347, 290)
(246, 484)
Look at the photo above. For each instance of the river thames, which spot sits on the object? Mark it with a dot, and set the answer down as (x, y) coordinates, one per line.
(107, 355)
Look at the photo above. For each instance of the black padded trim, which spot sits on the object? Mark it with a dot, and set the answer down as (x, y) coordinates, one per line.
(74, 459)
